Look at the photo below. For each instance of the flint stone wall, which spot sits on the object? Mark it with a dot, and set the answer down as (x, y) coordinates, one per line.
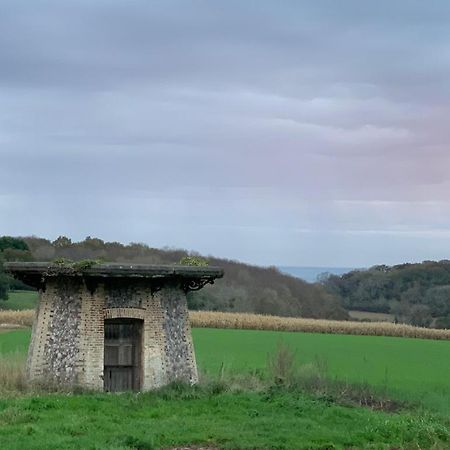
(67, 344)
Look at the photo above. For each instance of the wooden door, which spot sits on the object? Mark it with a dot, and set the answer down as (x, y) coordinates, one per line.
(122, 355)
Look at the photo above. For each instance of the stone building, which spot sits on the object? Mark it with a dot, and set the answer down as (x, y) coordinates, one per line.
(112, 327)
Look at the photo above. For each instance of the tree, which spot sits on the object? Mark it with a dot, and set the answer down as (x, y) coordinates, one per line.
(420, 316)
(9, 242)
(415, 293)
(62, 242)
(438, 300)
(4, 282)
(244, 288)
(11, 249)
(443, 322)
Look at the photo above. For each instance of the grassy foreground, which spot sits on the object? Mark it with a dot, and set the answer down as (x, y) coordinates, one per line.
(208, 416)
(237, 415)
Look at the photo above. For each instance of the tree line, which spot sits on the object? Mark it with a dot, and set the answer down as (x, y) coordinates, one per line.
(244, 288)
(418, 294)
(12, 249)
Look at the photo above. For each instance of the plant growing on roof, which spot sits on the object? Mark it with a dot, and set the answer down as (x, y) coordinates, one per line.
(193, 261)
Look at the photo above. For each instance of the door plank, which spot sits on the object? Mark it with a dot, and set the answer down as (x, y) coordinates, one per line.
(122, 358)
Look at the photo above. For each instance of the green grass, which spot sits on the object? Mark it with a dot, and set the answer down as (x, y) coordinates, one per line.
(410, 368)
(413, 369)
(16, 341)
(179, 416)
(18, 300)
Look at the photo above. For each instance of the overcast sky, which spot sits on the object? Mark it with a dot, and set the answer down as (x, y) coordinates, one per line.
(288, 133)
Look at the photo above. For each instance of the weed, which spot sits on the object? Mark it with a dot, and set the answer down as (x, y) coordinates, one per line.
(281, 365)
(12, 373)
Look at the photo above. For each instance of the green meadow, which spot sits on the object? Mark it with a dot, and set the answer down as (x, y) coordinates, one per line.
(214, 416)
(416, 370)
(208, 417)
(14, 342)
(413, 369)
(19, 300)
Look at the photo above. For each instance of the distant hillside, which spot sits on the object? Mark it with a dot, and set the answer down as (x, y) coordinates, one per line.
(418, 294)
(311, 274)
(244, 288)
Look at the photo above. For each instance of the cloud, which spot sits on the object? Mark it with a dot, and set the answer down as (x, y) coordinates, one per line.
(261, 118)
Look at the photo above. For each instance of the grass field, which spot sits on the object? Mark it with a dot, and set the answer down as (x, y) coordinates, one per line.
(415, 370)
(19, 300)
(270, 418)
(412, 369)
(207, 416)
(16, 341)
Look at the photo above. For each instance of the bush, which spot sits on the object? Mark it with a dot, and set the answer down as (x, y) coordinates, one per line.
(443, 322)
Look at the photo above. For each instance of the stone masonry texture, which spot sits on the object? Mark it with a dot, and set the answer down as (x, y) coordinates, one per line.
(67, 344)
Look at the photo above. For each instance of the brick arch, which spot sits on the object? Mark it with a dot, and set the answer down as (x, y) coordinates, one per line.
(123, 313)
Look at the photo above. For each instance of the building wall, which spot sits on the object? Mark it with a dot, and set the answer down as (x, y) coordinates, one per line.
(54, 345)
(36, 359)
(67, 345)
(154, 369)
(178, 348)
(92, 333)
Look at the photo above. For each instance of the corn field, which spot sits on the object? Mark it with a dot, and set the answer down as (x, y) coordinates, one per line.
(209, 319)
(14, 318)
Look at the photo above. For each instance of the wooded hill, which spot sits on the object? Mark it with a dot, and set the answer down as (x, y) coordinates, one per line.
(244, 288)
(418, 294)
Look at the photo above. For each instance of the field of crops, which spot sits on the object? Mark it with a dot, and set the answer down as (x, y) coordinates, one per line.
(208, 319)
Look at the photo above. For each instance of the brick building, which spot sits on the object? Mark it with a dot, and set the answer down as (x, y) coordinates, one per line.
(112, 327)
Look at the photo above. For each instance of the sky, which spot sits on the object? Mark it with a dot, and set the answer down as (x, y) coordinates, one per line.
(309, 133)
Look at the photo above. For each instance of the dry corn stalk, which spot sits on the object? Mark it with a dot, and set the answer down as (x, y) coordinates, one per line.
(207, 319)
(24, 318)
(245, 321)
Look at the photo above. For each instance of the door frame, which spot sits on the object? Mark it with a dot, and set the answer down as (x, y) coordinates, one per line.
(137, 350)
